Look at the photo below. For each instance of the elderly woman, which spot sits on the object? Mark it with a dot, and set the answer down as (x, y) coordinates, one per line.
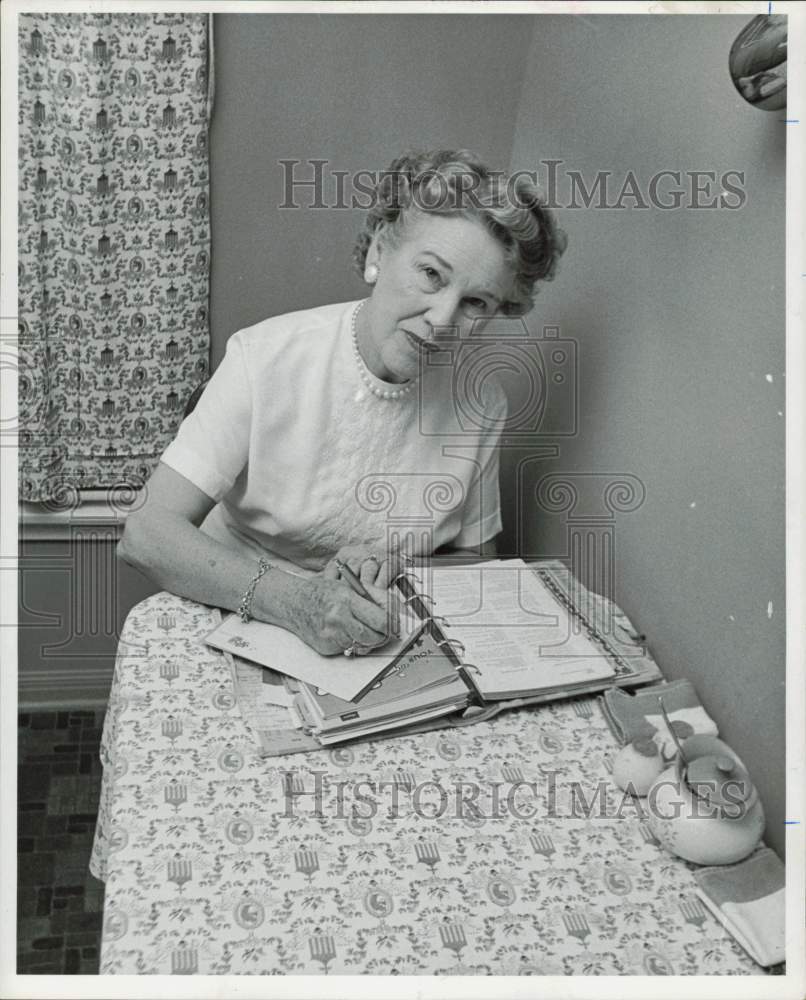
(332, 433)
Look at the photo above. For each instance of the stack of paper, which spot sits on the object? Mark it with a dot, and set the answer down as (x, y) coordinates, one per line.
(421, 683)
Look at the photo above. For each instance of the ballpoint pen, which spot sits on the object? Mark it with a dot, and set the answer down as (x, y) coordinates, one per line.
(357, 587)
(355, 584)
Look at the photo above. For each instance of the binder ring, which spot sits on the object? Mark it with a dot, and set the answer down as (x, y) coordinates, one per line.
(453, 643)
(482, 716)
(420, 597)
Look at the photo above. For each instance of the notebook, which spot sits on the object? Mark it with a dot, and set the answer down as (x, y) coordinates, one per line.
(513, 635)
(479, 639)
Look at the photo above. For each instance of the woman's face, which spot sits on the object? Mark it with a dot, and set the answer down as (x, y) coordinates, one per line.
(444, 275)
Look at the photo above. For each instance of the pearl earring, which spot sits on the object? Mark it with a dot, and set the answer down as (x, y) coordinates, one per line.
(371, 274)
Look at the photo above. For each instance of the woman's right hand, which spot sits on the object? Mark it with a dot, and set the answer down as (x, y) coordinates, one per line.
(330, 617)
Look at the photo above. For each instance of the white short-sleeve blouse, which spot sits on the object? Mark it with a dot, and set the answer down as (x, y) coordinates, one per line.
(302, 458)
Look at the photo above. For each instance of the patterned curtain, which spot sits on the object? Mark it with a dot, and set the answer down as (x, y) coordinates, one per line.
(114, 242)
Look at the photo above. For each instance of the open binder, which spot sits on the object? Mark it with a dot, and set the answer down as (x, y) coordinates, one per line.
(623, 661)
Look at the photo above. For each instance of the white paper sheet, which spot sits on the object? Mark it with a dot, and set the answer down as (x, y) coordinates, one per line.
(514, 631)
(281, 650)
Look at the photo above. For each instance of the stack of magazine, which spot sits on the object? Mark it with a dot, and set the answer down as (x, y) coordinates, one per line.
(474, 640)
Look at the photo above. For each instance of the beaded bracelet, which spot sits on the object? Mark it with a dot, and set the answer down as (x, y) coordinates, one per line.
(245, 607)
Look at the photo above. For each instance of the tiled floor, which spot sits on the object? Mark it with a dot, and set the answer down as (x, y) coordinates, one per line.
(59, 903)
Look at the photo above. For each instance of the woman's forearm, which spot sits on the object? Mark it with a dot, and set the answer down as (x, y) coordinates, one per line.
(181, 558)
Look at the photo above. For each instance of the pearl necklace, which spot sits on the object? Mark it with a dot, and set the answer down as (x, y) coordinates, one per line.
(366, 375)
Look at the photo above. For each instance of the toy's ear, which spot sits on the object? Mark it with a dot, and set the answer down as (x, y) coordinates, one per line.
(757, 62)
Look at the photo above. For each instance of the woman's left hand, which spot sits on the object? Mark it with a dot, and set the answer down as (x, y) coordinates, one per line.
(373, 566)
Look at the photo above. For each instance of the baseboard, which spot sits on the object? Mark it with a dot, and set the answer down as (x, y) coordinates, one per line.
(45, 687)
(63, 705)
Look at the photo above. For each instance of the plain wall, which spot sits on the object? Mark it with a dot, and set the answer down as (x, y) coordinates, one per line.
(679, 317)
(356, 90)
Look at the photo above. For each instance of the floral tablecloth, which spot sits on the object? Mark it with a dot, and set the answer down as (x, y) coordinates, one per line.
(499, 848)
